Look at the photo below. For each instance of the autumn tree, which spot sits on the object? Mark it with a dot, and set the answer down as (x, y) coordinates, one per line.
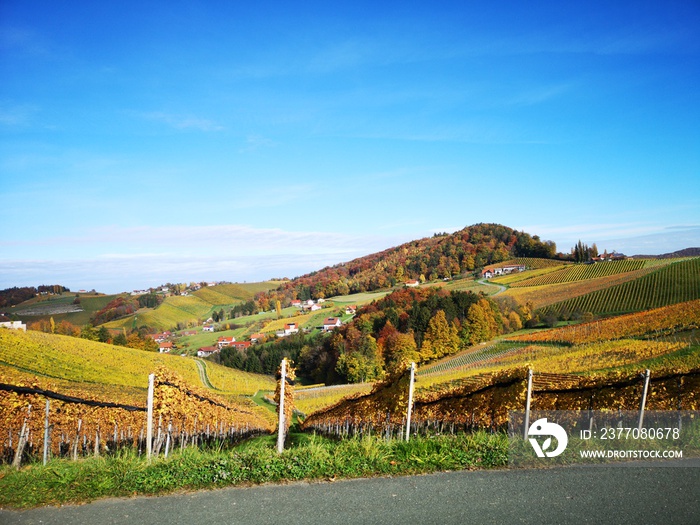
(397, 349)
(440, 339)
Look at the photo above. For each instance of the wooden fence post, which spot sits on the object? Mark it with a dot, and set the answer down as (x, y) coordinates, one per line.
(642, 404)
(528, 400)
(410, 400)
(46, 431)
(22, 441)
(280, 431)
(149, 416)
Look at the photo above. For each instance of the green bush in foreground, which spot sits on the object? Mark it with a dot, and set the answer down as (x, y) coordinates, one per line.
(255, 462)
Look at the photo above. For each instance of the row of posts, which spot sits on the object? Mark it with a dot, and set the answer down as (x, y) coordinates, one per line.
(528, 400)
(281, 422)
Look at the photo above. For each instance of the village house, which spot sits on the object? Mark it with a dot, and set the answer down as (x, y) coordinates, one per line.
(240, 345)
(330, 323)
(289, 329)
(208, 328)
(206, 351)
(350, 310)
(225, 341)
(165, 347)
(163, 336)
(256, 338)
(503, 270)
(607, 257)
(296, 302)
(411, 284)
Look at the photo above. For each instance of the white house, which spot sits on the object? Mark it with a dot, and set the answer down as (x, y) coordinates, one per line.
(165, 347)
(330, 323)
(206, 351)
(208, 328)
(14, 325)
(225, 341)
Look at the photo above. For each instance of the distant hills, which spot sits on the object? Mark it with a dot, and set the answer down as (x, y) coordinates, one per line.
(438, 257)
(687, 252)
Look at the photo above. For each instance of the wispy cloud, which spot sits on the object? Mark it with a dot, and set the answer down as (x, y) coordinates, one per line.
(17, 115)
(116, 258)
(255, 143)
(184, 122)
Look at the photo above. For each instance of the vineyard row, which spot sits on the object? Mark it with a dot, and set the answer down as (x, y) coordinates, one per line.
(484, 402)
(672, 284)
(74, 427)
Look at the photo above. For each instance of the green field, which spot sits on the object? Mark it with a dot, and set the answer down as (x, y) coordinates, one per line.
(53, 306)
(191, 310)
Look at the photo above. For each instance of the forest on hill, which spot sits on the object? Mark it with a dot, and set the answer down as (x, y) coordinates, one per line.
(438, 257)
(410, 324)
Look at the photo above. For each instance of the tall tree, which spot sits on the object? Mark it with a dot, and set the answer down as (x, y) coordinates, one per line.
(440, 339)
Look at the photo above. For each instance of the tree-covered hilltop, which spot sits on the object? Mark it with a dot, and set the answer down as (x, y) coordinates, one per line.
(441, 256)
(17, 295)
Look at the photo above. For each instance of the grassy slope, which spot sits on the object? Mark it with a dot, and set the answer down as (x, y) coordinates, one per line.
(91, 363)
(193, 308)
(46, 308)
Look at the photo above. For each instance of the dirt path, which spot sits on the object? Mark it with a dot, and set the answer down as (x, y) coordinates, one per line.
(202, 369)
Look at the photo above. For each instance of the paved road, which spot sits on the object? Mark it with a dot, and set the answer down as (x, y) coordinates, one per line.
(500, 287)
(611, 495)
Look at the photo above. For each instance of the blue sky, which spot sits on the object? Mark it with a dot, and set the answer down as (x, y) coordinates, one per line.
(147, 142)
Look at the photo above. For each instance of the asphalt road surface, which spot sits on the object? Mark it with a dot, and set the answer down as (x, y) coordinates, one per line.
(600, 495)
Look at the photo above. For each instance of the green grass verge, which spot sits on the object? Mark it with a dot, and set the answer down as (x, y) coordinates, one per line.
(307, 457)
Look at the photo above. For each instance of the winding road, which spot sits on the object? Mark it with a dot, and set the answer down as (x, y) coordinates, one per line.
(501, 288)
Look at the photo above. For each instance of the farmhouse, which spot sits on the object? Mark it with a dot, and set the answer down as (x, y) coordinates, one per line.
(208, 328)
(350, 310)
(225, 341)
(206, 351)
(163, 336)
(330, 323)
(607, 257)
(411, 283)
(240, 345)
(165, 347)
(289, 329)
(502, 270)
(296, 302)
(256, 338)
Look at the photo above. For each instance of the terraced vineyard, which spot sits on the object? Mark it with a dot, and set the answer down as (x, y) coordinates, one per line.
(674, 283)
(581, 272)
(470, 358)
